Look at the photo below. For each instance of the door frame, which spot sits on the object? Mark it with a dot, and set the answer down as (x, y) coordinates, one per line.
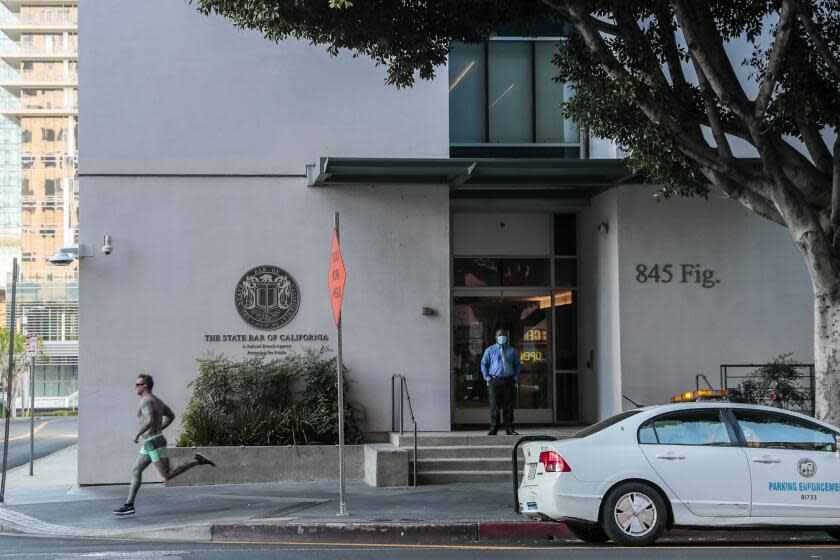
(521, 415)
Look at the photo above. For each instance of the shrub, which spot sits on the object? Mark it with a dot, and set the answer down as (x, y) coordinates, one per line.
(778, 379)
(287, 401)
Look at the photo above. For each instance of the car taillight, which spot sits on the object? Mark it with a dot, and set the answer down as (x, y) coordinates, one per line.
(554, 462)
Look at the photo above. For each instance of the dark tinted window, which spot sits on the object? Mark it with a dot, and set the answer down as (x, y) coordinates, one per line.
(481, 272)
(696, 427)
(565, 235)
(777, 431)
(477, 272)
(604, 424)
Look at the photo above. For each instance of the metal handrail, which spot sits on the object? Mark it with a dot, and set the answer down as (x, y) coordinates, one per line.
(515, 465)
(631, 401)
(704, 378)
(725, 378)
(404, 394)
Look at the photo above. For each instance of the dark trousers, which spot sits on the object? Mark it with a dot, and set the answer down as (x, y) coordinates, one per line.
(502, 392)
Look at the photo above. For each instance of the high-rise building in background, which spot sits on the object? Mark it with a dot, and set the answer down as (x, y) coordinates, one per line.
(38, 184)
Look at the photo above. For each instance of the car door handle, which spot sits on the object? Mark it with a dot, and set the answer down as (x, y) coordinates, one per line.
(670, 457)
(766, 460)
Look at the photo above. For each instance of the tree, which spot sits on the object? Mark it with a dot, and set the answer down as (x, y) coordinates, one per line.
(20, 363)
(657, 77)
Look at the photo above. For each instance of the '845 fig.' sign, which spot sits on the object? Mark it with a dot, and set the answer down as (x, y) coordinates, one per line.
(267, 297)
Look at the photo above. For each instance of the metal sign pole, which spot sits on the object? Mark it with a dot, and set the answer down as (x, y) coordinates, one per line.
(342, 504)
(9, 381)
(32, 417)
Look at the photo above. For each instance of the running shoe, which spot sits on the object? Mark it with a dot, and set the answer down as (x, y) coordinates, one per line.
(202, 460)
(127, 509)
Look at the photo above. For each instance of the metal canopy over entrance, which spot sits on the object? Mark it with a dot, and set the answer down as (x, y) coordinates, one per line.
(480, 178)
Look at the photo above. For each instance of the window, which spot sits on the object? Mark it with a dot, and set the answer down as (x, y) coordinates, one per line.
(504, 101)
(694, 427)
(48, 134)
(489, 272)
(777, 431)
(26, 136)
(49, 187)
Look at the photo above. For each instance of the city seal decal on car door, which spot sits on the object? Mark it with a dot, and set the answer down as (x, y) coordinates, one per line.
(807, 468)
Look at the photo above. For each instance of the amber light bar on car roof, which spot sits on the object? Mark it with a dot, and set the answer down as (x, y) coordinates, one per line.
(701, 394)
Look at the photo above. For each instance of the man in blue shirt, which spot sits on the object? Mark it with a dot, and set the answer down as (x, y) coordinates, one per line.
(500, 366)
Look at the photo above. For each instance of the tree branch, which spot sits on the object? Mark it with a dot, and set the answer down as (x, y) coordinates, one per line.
(694, 147)
(814, 142)
(706, 45)
(669, 43)
(777, 58)
(712, 112)
(806, 17)
(835, 196)
(630, 32)
(747, 197)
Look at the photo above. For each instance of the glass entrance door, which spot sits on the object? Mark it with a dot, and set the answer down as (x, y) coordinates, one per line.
(527, 317)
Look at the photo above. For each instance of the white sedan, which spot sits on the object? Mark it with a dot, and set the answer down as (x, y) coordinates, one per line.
(704, 464)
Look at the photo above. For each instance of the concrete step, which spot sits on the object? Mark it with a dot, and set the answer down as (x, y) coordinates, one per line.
(451, 477)
(471, 464)
(451, 452)
(453, 441)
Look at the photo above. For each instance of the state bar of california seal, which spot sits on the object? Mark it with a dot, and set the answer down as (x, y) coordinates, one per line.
(267, 297)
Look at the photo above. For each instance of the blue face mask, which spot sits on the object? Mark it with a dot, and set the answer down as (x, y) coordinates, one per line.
(501, 339)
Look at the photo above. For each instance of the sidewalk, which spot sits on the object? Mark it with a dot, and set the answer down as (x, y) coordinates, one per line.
(51, 504)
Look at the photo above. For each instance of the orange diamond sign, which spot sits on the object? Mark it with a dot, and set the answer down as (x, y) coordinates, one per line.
(337, 277)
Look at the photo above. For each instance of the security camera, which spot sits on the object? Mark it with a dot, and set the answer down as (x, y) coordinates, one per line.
(62, 259)
(106, 245)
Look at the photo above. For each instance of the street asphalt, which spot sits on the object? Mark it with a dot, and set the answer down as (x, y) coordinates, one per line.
(41, 548)
(51, 434)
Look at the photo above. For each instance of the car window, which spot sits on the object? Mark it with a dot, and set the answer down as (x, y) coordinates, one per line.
(780, 431)
(695, 427)
(603, 424)
(647, 434)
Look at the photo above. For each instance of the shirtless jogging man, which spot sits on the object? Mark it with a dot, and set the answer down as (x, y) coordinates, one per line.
(154, 417)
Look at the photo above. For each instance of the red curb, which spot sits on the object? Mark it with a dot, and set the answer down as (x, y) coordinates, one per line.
(523, 531)
(370, 532)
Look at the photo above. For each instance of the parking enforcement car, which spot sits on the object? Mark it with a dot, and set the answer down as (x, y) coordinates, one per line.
(699, 464)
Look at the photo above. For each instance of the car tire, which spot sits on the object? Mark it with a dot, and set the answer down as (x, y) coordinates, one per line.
(588, 533)
(634, 514)
(834, 533)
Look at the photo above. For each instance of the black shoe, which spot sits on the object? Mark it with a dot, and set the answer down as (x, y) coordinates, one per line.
(202, 460)
(492, 432)
(511, 432)
(127, 509)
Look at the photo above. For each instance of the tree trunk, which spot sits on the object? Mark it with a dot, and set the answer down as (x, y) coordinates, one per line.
(827, 355)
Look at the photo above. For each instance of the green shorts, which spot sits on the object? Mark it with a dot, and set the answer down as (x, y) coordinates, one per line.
(155, 447)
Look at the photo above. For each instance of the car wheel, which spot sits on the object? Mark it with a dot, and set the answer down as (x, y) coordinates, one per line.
(834, 533)
(588, 533)
(634, 513)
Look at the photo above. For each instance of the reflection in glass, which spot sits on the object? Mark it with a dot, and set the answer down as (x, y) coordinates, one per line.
(693, 428)
(476, 320)
(548, 95)
(525, 272)
(509, 96)
(467, 96)
(774, 431)
(477, 272)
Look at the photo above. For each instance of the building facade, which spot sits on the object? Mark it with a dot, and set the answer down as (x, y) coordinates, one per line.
(467, 203)
(38, 184)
